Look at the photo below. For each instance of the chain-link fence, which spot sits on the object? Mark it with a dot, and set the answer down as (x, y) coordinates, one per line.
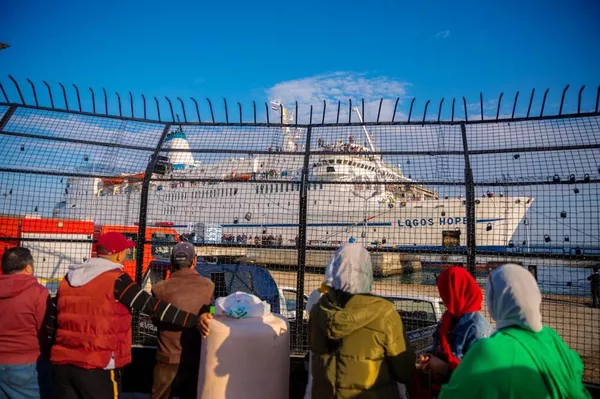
(266, 199)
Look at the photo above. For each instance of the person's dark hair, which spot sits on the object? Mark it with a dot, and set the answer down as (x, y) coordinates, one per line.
(16, 259)
(100, 250)
(178, 264)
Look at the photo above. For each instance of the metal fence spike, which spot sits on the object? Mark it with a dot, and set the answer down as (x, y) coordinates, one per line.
(562, 99)
(37, 104)
(64, 95)
(499, 105)
(78, 97)
(49, 94)
(18, 89)
(411, 108)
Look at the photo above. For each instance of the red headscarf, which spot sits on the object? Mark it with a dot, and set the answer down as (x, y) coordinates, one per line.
(461, 295)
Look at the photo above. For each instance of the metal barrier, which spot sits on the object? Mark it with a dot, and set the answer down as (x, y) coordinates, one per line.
(263, 188)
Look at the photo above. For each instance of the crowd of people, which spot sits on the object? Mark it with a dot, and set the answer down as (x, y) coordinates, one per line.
(358, 348)
(76, 345)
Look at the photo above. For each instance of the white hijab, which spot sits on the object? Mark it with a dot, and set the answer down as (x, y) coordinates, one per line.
(513, 298)
(350, 270)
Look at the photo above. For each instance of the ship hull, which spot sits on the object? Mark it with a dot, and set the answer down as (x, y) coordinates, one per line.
(336, 213)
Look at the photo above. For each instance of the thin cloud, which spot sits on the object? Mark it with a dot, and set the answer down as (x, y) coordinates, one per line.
(442, 34)
(340, 87)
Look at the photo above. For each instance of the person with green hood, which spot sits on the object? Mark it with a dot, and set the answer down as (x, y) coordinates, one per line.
(523, 358)
(357, 341)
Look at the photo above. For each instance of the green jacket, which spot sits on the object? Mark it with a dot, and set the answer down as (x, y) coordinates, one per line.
(517, 363)
(358, 350)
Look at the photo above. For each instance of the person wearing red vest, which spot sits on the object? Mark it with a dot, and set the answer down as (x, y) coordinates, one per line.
(93, 332)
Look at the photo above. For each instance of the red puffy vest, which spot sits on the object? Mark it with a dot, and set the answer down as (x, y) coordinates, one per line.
(92, 326)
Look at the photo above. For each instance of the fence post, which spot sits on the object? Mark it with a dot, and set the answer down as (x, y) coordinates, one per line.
(469, 203)
(9, 113)
(301, 245)
(141, 240)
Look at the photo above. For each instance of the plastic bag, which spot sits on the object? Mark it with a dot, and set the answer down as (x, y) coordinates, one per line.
(241, 305)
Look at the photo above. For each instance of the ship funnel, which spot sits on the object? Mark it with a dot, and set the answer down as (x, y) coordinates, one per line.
(182, 158)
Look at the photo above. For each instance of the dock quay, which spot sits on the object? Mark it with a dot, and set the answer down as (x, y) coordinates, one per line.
(384, 263)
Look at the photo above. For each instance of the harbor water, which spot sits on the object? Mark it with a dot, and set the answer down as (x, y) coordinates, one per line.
(557, 280)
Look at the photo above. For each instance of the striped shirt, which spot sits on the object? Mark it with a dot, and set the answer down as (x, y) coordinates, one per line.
(134, 297)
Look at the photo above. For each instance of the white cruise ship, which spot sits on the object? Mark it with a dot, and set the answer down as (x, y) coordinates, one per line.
(399, 214)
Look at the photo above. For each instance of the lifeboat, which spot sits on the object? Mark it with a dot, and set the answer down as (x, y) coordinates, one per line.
(244, 177)
(112, 181)
(136, 177)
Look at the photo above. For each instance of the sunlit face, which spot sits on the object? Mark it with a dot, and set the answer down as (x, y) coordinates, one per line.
(122, 256)
(29, 270)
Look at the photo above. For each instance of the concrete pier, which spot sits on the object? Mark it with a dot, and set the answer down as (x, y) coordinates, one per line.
(384, 263)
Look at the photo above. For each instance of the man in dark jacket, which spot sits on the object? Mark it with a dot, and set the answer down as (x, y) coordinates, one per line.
(26, 319)
(594, 280)
(178, 354)
(93, 335)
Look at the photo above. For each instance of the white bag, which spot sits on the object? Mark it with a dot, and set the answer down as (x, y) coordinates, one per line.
(241, 305)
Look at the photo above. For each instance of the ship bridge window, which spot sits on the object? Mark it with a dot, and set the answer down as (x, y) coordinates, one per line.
(338, 161)
(271, 188)
(287, 187)
(331, 161)
(235, 191)
(276, 188)
(321, 186)
(262, 189)
(281, 187)
(330, 169)
(345, 162)
(256, 189)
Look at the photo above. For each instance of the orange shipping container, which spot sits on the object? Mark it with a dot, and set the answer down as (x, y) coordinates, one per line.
(159, 241)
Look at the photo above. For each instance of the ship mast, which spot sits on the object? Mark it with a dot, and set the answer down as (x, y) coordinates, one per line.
(367, 134)
(376, 158)
(290, 138)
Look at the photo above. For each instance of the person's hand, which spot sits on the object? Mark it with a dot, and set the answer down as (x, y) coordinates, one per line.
(435, 365)
(421, 361)
(204, 324)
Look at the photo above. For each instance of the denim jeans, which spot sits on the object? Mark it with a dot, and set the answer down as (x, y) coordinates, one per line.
(25, 381)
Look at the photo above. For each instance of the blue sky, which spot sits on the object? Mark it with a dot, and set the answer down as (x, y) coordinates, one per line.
(308, 51)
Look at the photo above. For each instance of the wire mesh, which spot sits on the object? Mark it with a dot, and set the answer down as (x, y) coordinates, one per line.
(266, 205)
(549, 171)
